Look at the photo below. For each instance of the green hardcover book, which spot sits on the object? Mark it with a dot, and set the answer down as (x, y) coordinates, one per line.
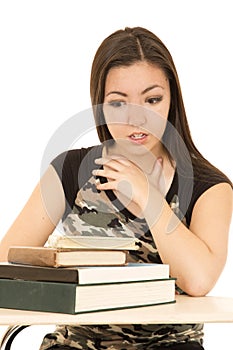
(72, 298)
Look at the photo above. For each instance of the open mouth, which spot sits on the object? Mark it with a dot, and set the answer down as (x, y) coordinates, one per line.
(138, 137)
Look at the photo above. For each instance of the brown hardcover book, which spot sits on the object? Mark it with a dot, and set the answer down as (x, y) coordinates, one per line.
(55, 257)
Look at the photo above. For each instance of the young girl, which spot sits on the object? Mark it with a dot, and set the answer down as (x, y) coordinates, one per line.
(146, 179)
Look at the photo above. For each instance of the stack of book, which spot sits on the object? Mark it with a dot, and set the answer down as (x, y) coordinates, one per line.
(76, 277)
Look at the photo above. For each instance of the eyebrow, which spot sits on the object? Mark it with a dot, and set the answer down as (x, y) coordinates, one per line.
(142, 93)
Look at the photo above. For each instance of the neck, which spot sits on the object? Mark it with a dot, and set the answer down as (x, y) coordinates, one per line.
(137, 154)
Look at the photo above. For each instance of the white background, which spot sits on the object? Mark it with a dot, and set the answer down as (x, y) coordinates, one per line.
(46, 50)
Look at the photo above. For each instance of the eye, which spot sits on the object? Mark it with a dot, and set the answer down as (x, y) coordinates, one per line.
(116, 104)
(154, 100)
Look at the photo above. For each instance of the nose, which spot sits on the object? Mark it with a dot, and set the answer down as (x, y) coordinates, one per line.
(136, 115)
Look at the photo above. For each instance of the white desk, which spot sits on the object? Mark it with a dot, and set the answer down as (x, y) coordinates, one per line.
(185, 310)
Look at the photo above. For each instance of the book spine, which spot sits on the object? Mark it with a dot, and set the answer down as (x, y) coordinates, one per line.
(38, 273)
(37, 296)
(38, 257)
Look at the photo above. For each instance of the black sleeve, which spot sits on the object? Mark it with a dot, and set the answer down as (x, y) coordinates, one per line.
(202, 186)
(189, 190)
(74, 168)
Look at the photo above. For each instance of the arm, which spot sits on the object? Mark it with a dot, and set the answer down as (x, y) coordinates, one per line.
(197, 254)
(39, 217)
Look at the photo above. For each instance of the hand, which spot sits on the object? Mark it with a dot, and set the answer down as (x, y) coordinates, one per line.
(128, 179)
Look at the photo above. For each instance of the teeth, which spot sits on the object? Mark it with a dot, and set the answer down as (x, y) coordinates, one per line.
(137, 136)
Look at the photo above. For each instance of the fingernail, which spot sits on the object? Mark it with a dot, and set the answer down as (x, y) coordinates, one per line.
(97, 181)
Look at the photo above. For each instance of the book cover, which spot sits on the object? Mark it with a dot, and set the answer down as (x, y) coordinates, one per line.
(93, 242)
(85, 275)
(45, 256)
(72, 298)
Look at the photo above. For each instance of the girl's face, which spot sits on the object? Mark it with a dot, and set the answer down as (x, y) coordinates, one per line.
(136, 105)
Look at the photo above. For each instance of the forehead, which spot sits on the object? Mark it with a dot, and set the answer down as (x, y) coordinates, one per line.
(137, 75)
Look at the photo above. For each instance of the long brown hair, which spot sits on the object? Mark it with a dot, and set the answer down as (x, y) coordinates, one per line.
(124, 48)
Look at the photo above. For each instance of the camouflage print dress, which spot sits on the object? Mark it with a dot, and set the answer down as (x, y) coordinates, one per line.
(100, 213)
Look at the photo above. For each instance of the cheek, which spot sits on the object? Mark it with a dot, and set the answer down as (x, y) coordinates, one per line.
(117, 120)
(115, 115)
(116, 130)
(155, 124)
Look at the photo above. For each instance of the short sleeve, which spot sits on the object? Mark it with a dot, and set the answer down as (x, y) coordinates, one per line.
(73, 168)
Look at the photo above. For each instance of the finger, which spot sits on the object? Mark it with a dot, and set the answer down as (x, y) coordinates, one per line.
(108, 173)
(121, 159)
(158, 176)
(101, 161)
(119, 186)
(110, 185)
(158, 167)
(115, 164)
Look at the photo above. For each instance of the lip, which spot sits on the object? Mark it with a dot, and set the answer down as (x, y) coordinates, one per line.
(138, 140)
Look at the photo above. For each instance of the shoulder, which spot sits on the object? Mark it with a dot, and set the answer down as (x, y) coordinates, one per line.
(218, 192)
(210, 183)
(69, 162)
(211, 178)
(214, 209)
(74, 167)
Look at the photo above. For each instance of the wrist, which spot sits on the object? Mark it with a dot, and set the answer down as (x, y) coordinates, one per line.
(152, 206)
